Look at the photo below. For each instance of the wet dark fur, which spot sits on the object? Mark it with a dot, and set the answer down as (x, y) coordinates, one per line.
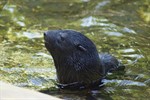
(76, 58)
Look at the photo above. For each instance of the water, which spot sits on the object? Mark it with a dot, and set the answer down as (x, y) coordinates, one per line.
(119, 27)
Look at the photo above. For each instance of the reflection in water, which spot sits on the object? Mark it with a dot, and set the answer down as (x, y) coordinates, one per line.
(101, 4)
(127, 30)
(128, 50)
(124, 82)
(10, 8)
(114, 33)
(91, 21)
(32, 35)
(120, 27)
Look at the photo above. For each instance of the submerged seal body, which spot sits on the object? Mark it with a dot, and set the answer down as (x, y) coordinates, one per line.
(76, 58)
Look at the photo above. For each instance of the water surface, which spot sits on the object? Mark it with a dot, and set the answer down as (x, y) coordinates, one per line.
(119, 27)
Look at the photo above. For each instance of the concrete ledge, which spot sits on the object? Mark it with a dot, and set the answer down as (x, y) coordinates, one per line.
(10, 92)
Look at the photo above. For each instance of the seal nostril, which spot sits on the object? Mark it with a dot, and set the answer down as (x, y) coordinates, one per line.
(44, 34)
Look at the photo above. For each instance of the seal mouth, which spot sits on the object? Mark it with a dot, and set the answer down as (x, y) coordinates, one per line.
(46, 42)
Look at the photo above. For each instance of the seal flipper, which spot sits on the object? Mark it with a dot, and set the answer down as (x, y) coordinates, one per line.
(110, 63)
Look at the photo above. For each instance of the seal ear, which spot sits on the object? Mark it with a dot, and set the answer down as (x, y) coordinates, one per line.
(82, 48)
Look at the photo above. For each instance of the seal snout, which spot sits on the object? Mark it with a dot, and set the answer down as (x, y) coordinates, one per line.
(45, 34)
(45, 37)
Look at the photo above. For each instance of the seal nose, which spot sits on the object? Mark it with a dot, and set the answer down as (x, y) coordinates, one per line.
(45, 34)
